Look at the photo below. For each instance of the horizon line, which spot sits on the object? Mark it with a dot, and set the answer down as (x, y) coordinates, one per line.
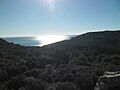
(60, 33)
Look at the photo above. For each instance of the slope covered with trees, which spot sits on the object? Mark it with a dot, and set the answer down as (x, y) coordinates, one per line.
(73, 64)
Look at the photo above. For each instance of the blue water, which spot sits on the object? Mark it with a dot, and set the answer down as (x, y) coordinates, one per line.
(27, 41)
(24, 41)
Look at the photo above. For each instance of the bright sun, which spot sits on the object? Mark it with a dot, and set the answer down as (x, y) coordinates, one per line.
(51, 0)
(52, 6)
(48, 39)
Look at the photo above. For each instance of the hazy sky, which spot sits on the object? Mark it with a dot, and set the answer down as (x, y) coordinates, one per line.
(36, 17)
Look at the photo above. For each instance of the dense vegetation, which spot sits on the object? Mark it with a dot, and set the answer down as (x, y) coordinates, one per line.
(73, 64)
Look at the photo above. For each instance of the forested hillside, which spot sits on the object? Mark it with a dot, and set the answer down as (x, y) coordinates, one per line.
(74, 64)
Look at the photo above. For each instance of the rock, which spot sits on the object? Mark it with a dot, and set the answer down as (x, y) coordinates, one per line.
(109, 81)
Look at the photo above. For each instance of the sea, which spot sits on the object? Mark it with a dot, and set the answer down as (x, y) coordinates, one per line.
(38, 40)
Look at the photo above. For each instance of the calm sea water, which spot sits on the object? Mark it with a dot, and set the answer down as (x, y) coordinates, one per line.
(36, 41)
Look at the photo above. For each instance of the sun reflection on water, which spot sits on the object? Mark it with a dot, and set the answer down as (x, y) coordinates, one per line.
(49, 39)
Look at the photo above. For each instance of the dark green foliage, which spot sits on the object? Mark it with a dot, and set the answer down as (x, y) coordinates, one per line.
(73, 64)
(63, 86)
(3, 75)
(32, 84)
(34, 72)
(16, 82)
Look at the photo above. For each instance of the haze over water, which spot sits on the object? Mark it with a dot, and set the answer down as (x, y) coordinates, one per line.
(38, 40)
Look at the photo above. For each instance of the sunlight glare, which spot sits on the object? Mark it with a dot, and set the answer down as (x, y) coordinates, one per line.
(49, 39)
(52, 5)
(51, 0)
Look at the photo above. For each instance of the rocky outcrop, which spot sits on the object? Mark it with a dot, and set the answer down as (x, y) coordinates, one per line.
(109, 81)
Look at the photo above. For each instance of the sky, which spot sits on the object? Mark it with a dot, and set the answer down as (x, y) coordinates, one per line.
(36, 17)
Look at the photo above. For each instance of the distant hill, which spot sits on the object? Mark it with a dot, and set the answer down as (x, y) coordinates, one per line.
(101, 42)
(3, 42)
(74, 64)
